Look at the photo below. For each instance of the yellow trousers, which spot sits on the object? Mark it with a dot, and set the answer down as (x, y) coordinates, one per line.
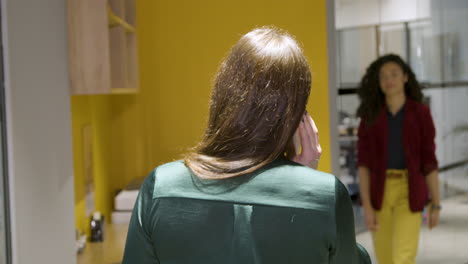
(396, 239)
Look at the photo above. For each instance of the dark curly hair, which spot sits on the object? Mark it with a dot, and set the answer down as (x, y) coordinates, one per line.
(370, 94)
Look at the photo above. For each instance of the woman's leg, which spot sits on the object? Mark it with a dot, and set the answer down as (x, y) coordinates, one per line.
(382, 238)
(407, 226)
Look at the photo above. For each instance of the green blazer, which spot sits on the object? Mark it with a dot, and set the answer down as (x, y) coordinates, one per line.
(283, 213)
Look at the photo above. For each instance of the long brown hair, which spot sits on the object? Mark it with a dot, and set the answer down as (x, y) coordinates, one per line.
(258, 99)
(372, 97)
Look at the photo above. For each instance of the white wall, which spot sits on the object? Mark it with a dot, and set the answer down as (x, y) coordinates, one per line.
(332, 96)
(353, 13)
(39, 131)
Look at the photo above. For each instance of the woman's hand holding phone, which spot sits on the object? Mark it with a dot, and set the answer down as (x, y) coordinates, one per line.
(306, 143)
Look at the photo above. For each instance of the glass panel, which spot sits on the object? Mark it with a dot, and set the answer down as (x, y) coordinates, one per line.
(448, 107)
(425, 51)
(393, 40)
(454, 22)
(337, 59)
(4, 227)
(347, 131)
(357, 49)
(3, 232)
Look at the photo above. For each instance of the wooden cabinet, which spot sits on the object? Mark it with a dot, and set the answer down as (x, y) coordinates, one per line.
(103, 51)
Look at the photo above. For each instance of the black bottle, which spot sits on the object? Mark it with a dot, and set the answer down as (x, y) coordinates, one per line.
(97, 227)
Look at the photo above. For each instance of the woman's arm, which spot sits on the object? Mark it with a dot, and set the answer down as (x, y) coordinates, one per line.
(364, 192)
(432, 180)
(364, 176)
(139, 247)
(430, 164)
(346, 250)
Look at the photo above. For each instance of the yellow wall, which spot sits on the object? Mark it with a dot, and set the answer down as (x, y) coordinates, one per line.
(95, 111)
(181, 44)
(80, 117)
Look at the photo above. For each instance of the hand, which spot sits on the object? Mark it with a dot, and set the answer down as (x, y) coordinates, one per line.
(306, 143)
(433, 217)
(371, 219)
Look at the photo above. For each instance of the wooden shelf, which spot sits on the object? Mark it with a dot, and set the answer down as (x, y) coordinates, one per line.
(103, 46)
(124, 90)
(115, 21)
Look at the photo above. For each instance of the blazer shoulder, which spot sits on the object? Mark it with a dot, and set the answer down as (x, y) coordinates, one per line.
(418, 106)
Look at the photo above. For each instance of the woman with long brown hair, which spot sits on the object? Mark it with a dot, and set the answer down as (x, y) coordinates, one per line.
(397, 165)
(247, 193)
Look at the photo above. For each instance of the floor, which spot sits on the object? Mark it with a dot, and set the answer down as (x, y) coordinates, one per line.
(108, 252)
(446, 244)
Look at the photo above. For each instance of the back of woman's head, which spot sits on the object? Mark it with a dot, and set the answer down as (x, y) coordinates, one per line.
(370, 93)
(258, 99)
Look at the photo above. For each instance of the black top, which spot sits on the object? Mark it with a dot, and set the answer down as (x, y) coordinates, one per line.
(396, 154)
(282, 213)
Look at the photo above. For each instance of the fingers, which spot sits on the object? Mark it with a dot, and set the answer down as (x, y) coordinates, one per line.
(312, 149)
(369, 224)
(309, 148)
(312, 128)
(297, 141)
(314, 137)
(373, 226)
(371, 220)
(305, 141)
(433, 219)
(376, 223)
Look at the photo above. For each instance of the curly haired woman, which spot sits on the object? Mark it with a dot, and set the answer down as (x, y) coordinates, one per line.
(397, 165)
